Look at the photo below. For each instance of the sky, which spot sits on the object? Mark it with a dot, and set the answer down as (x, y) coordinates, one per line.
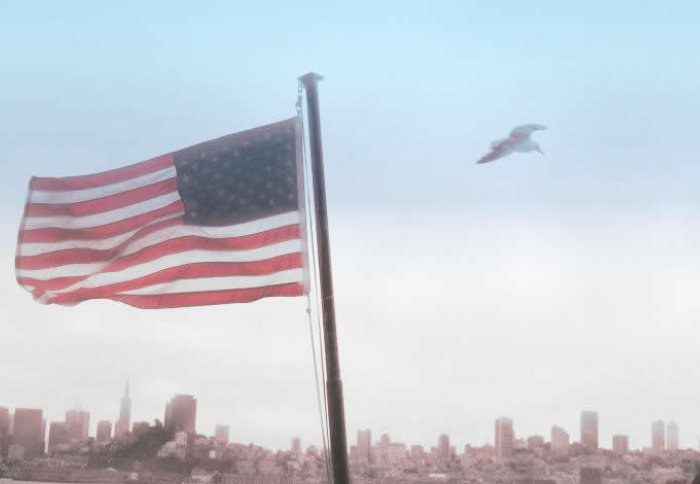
(533, 287)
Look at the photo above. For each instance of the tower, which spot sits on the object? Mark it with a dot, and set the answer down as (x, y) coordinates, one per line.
(121, 428)
(560, 441)
(59, 434)
(221, 434)
(672, 436)
(104, 430)
(78, 423)
(504, 437)
(658, 437)
(28, 431)
(589, 430)
(364, 444)
(4, 430)
(443, 447)
(620, 445)
(181, 414)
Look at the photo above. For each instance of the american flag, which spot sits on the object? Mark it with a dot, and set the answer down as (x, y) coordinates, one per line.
(219, 222)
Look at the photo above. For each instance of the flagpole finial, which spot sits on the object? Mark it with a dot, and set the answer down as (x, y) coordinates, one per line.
(310, 77)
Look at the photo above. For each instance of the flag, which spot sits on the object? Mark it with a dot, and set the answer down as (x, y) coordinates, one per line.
(219, 222)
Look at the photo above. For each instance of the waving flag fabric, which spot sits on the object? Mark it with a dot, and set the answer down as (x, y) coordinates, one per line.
(219, 222)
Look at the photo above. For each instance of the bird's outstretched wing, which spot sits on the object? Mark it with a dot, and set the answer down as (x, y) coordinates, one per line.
(524, 131)
(499, 149)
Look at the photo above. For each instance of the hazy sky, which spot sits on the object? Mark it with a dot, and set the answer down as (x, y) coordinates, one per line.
(534, 287)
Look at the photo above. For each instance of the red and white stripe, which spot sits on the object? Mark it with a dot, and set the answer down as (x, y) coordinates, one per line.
(121, 235)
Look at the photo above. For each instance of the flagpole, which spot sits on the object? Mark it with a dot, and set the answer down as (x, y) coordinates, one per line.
(334, 385)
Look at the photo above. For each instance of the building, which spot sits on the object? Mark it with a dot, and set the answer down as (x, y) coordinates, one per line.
(672, 436)
(121, 428)
(296, 446)
(104, 430)
(181, 414)
(589, 430)
(417, 452)
(78, 422)
(560, 441)
(59, 435)
(388, 452)
(658, 437)
(620, 444)
(4, 431)
(28, 431)
(504, 437)
(4, 420)
(364, 444)
(221, 434)
(395, 453)
(443, 447)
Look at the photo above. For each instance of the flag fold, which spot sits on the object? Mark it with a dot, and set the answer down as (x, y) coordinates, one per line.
(219, 222)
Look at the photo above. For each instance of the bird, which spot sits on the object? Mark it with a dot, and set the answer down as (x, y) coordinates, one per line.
(518, 141)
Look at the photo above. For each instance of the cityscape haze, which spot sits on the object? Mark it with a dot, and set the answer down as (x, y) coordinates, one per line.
(27, 428)
(528, 290)
(69, 453)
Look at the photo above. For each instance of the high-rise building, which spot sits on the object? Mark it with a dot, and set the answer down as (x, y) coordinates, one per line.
(620, 444)
(4, 420)
(443, 447)
(589, 430)
(181, 414)
(104, 430)
(364, 444)
(504, 437)
(221, 434)
(560, 441)
(672, 436)
(28, 431)
(121, 428)
(78, 422)
(59, 434)
(4, 431)
(658, 436)
(417, 452)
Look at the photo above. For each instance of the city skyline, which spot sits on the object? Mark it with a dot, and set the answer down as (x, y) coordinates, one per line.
(181, 413)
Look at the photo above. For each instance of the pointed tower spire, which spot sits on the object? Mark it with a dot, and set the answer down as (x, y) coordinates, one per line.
(121, 428)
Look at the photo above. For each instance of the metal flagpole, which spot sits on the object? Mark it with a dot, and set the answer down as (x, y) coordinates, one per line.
(334, 385)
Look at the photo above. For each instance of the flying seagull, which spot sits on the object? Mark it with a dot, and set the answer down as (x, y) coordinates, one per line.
(519, 140)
